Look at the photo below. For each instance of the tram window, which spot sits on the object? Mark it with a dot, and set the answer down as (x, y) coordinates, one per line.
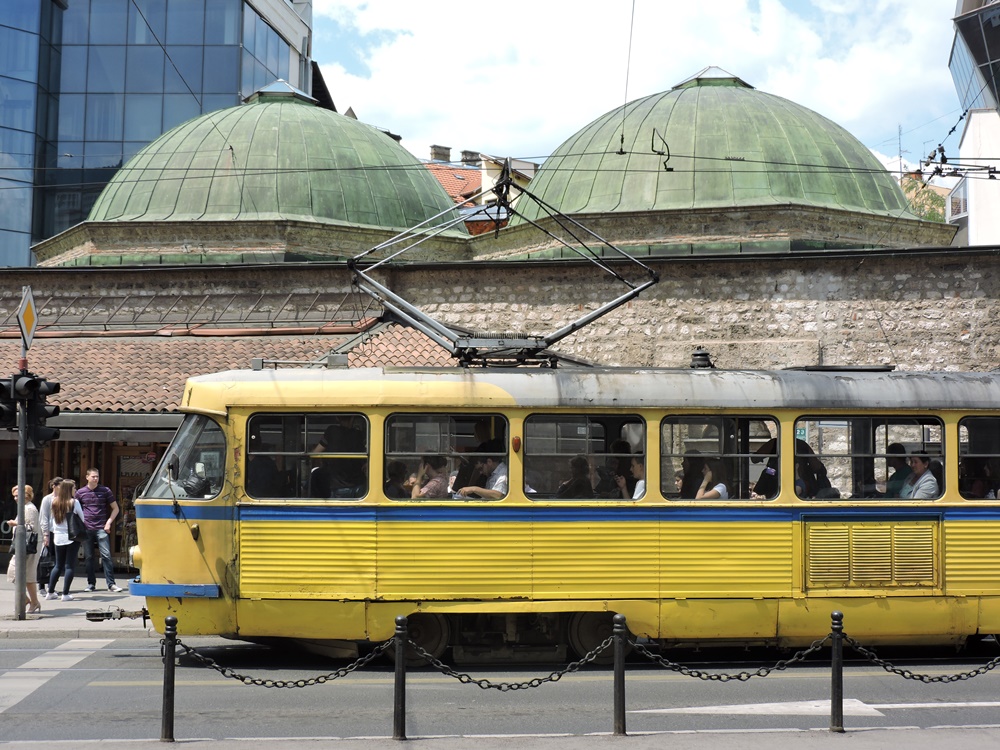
(580, 456)
(198, 451)
(307, 456)
(472, 447)
(979, 457)
(744, 451)
(865, 457)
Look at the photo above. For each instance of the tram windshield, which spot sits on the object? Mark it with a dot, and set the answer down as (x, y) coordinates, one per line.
(195, 459)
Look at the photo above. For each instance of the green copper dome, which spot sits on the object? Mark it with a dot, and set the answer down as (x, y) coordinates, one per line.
(277, 157)
(729, 145)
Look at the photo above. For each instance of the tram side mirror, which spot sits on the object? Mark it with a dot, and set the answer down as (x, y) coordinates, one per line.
(173, 467)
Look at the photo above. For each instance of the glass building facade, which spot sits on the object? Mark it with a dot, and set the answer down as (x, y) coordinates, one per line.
(84, 84)
(975, 55)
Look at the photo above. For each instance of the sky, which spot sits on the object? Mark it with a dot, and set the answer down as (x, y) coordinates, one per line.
(520, 77)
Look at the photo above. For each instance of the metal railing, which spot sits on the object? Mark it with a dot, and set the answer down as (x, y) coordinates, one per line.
(620, 640)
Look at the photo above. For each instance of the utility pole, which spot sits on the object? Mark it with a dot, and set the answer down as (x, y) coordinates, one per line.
(22, 398)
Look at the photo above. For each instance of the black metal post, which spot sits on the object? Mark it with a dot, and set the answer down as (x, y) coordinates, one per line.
(837, 672)
(169, 650)
(620, 633)
(399, 694)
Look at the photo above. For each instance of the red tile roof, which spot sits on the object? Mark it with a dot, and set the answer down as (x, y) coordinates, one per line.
(400, 346)
(459, 181)
(147, 374)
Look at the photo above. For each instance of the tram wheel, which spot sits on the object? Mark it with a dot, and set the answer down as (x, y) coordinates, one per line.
(429, 631)
(588, 630)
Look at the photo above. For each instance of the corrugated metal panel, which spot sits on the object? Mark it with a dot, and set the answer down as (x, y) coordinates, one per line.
(454, 560)
(872, 555)
(972, 557)
(742, 559)
(304, 560)
(619, 560)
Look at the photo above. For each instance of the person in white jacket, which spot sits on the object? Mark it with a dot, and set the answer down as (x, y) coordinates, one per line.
(67, 549)
(921, 484)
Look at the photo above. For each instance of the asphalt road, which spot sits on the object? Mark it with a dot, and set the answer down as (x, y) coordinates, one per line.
(59, 690)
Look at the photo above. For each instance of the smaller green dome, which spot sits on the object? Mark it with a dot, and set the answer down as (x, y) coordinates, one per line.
(729, 146)
(276, 157)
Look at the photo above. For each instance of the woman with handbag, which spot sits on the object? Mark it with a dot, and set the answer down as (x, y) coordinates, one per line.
(67, 531)
(31, 559)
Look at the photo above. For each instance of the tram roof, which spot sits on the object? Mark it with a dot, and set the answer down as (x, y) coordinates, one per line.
(600, 387)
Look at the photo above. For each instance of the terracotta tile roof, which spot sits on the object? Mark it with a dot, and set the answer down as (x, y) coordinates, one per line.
(400, 346)
(459, 181)
(147, 374)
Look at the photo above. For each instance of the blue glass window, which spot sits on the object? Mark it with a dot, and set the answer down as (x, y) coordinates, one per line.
(20, 15)
(186, 23)
(147, 22)
(178, 108)
(106, 70)
(182, 70)
(222, 22)
(144, 73)
(15, 208)
(102, 156)
(213, 102)
(246, 74)
(69, 155)
(18, 110)
(143, 115)
(16, 248)
(221, 70)
(76, 22)
(105, 117)
(71, 113)
(249, 29)
(74, 69)
(19, 54)
(108, 21)
(284, 58)
(17, 148)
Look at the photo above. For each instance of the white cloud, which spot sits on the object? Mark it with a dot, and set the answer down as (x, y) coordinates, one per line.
(519, 78)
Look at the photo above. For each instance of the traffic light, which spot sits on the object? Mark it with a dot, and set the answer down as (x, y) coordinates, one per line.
(8, 405)
(38, 411)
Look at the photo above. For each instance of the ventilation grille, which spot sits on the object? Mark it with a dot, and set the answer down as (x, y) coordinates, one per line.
(871, 555)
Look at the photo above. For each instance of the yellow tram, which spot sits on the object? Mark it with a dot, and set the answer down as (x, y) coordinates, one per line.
(276, 511)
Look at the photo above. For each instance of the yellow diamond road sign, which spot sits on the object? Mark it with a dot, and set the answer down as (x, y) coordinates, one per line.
(26, 317)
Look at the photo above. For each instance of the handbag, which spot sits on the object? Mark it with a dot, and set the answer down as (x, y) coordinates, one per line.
(74, 527)
(31, 543)
(46, 562)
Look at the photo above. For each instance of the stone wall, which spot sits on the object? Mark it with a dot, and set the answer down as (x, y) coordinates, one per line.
(916, 310)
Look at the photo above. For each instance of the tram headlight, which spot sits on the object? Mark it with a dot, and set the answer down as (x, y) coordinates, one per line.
(135, 557)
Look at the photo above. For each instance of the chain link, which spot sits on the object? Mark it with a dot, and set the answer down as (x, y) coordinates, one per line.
(925, 678)
(505, 687)
(247, 680)
(724, 677)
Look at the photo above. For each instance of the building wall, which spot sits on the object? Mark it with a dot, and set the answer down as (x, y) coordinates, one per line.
(978, 150)
(919, 311)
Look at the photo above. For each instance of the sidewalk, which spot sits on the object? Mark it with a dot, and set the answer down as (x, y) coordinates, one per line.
(973, 738)
(59, 619)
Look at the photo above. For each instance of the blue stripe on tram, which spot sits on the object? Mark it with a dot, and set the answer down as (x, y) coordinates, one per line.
(364, 513)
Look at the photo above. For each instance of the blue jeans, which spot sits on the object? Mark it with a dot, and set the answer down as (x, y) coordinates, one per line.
(99, 537)
(65, 565)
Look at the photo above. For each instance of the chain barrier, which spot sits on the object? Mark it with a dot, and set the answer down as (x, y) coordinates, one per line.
(909, 675)
(722, 676)
(505, 687)
(247, 680)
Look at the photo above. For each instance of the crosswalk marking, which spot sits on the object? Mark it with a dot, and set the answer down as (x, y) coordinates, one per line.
(18, 684)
